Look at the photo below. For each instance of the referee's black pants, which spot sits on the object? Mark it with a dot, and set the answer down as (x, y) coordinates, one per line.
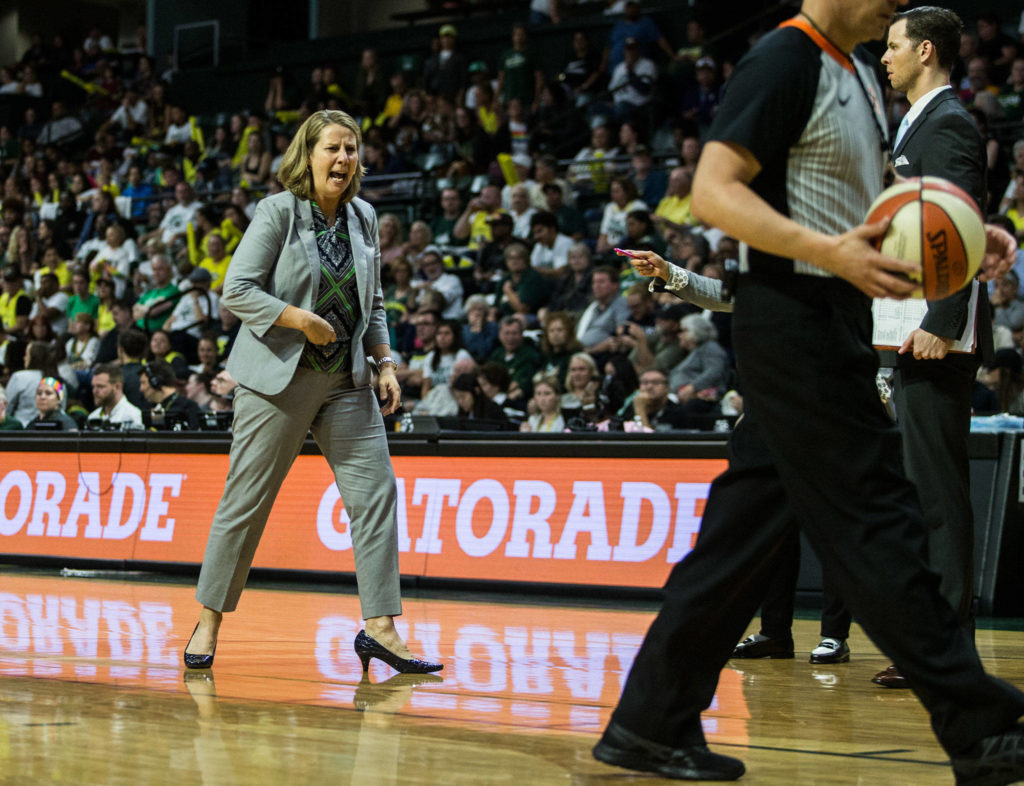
(816, 450)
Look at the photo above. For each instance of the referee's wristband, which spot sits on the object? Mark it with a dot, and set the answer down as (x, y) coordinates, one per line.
(386, 359)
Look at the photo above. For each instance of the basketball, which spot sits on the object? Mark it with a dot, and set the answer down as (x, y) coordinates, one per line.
(936, 224)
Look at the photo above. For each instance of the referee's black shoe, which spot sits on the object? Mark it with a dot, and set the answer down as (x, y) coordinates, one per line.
(831, 650)
(622, 748)
(761, 646)
(993, 761)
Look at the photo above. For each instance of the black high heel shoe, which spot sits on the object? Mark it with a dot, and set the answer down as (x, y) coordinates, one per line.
(193, 661)
(367, 648)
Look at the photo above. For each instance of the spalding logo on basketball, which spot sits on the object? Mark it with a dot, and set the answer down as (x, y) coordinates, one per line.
(936, 224)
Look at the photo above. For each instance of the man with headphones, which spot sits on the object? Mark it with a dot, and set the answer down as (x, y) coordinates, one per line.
(159, 386)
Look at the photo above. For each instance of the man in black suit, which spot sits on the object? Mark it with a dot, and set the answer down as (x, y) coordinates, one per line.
(932, 392)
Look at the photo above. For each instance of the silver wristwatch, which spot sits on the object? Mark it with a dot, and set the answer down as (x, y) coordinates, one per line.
(386, 359)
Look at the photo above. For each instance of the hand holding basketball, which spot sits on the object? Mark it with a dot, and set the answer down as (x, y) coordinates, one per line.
(854, 256)
(934, 223)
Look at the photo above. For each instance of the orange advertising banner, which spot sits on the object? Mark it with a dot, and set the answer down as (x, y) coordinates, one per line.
(598, 521)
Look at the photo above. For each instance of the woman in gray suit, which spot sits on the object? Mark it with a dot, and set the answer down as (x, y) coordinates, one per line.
(305, 282)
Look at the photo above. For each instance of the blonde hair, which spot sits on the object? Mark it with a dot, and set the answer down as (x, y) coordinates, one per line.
(294, 173)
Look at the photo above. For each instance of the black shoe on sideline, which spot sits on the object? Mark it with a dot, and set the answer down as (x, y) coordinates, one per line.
(758, 646)
(621, 748)
(993, 761)
(831, 651)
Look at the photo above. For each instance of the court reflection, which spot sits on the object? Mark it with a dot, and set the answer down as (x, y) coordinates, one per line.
(525, 666)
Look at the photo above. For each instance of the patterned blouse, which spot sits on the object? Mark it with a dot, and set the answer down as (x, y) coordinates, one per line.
(337, 299)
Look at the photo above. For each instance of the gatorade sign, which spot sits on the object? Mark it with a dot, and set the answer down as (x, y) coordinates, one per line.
(559, 520)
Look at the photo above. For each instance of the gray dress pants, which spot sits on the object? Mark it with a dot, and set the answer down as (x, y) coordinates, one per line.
(268, 433)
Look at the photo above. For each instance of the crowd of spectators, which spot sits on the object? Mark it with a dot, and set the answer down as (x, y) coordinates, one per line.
(507, 304)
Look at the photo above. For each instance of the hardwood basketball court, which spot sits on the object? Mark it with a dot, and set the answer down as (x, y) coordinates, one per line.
(93, 692)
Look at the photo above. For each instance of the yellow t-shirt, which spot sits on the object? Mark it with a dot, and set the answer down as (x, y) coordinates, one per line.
(1018, 221)
(105, 320)
(479, 230)
(676, 209)
(217, 269)
(9, 307)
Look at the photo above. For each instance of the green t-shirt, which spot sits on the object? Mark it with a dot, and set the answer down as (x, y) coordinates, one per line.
(89, 304)
(519, 68)
(152, 296)
(533, 289)
(441, 228)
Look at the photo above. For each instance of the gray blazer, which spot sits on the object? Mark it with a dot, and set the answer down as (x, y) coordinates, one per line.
(277, 264)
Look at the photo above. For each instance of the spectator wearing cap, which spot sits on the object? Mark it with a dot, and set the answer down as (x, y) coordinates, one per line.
(1003, 381)
(660, 347)
(446, 72)
(550, 254)
(479, 78)
(632, 81)
(15, 305)
(639, 27)
(432, 276)
(700, 99)
(194, 311)
(523, 290)
(519, 72)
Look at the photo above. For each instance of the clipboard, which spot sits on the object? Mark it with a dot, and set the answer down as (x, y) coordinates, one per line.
(894, 320)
